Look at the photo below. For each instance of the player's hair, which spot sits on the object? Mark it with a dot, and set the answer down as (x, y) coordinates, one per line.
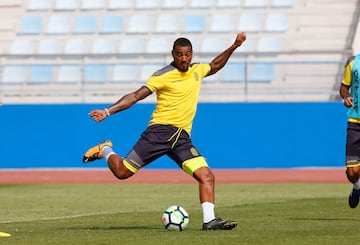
(183, 42)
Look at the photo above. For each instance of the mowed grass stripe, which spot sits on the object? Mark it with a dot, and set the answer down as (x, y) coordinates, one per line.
(131, 214)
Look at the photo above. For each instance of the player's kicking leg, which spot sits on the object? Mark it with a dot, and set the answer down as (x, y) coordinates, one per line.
(95, 152)
(352, 174)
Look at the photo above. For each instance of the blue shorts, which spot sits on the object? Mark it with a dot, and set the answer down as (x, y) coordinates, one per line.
(158, 140)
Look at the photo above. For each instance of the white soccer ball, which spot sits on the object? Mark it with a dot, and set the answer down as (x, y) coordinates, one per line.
(175, 218)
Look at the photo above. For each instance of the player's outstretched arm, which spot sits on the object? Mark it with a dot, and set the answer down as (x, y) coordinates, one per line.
(219, 61)
(123, 103)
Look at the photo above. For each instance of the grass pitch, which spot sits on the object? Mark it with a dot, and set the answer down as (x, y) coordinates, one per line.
(131, 214)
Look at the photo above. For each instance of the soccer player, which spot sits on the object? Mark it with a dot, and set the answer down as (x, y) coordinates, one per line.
(177, 87)
(349, 91)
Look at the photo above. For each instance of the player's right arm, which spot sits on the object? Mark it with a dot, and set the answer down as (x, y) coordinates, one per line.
(123, 103)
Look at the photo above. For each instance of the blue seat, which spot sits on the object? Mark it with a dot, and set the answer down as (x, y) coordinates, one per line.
(261, 72)
(69, 73)
(96, 73)
(85, 24)
(31, 24)
(194, 23)
(14, 74)
(158, 45)
(234, 72)
(112, 24)
(213, 44)
(41, 73)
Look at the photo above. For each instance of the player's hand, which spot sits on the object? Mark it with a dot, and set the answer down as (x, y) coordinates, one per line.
(240, 38)
(98, 115)
(348, 101)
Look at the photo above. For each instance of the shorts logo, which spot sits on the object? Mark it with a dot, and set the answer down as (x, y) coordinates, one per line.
(194, 152)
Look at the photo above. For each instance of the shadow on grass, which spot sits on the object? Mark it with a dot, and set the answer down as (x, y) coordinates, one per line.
(325, 219)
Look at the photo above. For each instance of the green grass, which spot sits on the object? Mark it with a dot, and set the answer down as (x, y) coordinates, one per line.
(131, 214)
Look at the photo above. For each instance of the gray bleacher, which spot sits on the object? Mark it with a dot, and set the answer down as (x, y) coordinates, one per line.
(72, 51)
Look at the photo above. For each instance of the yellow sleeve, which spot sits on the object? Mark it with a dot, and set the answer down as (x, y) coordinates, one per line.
(346, 80)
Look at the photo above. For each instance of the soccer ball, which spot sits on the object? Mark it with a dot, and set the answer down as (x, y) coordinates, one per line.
(175, 218)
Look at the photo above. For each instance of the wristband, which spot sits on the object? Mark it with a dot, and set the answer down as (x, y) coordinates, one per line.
(107, 111)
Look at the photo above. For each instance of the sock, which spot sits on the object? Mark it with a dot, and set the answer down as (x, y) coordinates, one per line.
(208, 211)
(357, 185)
(106, 152)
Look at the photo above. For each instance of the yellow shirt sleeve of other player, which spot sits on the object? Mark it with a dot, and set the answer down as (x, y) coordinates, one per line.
(177, 95)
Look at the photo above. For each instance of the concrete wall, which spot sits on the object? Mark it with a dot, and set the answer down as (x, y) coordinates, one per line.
(229, 135)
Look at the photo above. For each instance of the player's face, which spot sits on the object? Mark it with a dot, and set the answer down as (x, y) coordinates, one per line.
(182, 57)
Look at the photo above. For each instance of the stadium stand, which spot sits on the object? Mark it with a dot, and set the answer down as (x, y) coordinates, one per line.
(93, 50)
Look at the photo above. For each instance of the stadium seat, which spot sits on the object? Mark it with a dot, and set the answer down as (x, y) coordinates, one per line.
(234, 72)
(92, 5)
(250, 22)
(66, 5)
(146, 4)
(167, 23)
(194, 23)
(222, 23)
(49, 46)
(69, 73)
(103, 46)
(119, 4)
(14, 74)
(76, 46)
(96, 73)
(255, 4)
(124, 73)
(31, 24)
(132, 45)
(228, 4)
(58, 24)
(39, 5)
(211, 45)
(112, 24)
(41, 73)
(282, 3)
(276, 22)
(261, 72)
(201, 3)
(21, 46)
(269, 44)
(85, 24)
(173, 4)
(158, 45)
(140, 23)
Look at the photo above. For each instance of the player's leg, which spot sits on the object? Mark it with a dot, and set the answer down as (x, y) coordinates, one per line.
(353, 162)
(114, 161)
(198, 168)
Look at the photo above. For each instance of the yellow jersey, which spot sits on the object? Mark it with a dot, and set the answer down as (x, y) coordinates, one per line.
(177, 94)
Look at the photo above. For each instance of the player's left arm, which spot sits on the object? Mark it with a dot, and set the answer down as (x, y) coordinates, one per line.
(219, 61)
